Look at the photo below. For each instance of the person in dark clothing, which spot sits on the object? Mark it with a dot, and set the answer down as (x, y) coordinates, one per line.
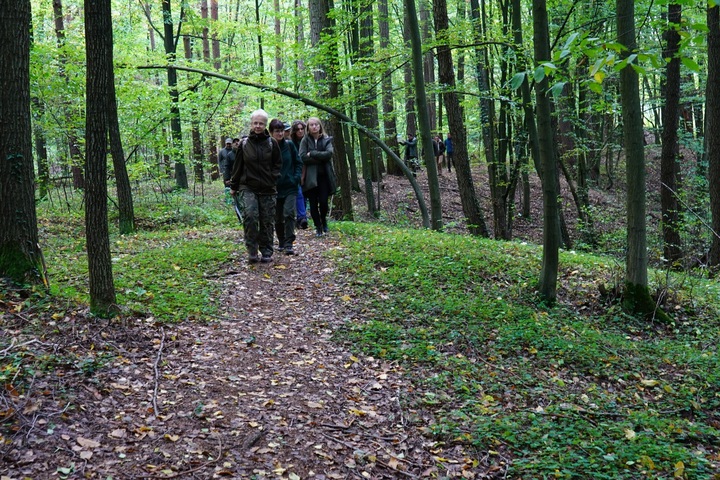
(297, 132)
(254, 177)
(287, 188)
(411, 153)
(318, 179)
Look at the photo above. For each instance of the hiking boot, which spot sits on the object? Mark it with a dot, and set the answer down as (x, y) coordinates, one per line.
(319, 232)
(289, 251)
(303, 224)
(253, 258)
(266, 259)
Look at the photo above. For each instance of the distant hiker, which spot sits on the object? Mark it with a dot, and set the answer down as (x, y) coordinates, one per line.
(297, 132)
(411, 153)
(318, 179)
(254, 177)
(439, 151)
(287, 188)
(449, 151)
(226, 161)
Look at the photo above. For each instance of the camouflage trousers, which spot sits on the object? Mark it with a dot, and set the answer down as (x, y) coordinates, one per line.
(258, 219)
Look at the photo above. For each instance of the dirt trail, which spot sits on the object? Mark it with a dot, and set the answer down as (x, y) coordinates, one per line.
(263, 392)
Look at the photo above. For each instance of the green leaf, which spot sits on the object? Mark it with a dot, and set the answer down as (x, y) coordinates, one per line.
(517, 80)
(639, 69)
(539, 74)
(595, 87)
(557, 89)
(691, 64)
(597, 66)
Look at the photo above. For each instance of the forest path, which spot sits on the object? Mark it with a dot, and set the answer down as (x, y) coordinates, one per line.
(261, 392)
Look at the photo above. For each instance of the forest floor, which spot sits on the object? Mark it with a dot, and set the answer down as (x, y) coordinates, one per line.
(264, 391)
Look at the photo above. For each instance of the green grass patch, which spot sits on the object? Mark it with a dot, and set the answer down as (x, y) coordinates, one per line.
(579, 390)
(163, 270)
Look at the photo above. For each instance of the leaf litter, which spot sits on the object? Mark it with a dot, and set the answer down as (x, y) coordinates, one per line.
(263, 392)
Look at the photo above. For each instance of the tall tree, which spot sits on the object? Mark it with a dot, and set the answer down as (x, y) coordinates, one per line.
(321, 25)
(170, 43)
(423, 115)
(669, 167)
(72, 138)
(99, 48)
(548, 161)
(456, 123)
(386, 83)
(20, 255)
(636, 298)
(712, 124)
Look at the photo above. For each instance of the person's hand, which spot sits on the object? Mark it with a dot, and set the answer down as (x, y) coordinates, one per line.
(233, 192)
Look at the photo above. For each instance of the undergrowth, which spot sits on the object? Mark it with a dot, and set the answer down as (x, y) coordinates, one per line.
(164, 269)
(579, 390)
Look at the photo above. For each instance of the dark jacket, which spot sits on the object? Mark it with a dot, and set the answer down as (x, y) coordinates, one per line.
(226, 162)
(290, 171)
(318, 166)
(410, 148)
(257, 165)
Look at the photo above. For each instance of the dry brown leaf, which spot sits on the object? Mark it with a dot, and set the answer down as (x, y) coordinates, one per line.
(87, 443)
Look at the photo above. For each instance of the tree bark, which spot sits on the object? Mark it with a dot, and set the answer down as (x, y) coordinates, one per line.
(175, 123)
(456, 117)
(712, 124)
(98, 44)
(388, 107)
(636, 298)
(551, 217)
(669, 167)
(423, 115)
(20, 255)
(73, 143)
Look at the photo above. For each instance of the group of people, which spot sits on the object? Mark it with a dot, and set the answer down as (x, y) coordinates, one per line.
(442, 150)
(273, 171)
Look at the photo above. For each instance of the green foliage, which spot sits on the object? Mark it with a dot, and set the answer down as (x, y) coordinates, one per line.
(568, 392)
(158, 270)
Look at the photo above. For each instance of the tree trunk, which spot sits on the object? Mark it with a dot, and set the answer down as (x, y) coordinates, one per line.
(428, 63)
(636, 298)
(98, 44)
(321, 24)
(20, 256)
(43, 168)
(456, 117)
(423, 116)
(388, 107)
(175, 124)
(73, 143)
(669, 167)
(712, 124)
(551, 217)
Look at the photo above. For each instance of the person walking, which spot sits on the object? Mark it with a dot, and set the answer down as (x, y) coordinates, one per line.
(297, 132)
(254, 177)
(226, 161)
(287, 188)
(318, 178)
(411, 153)
(449, 151)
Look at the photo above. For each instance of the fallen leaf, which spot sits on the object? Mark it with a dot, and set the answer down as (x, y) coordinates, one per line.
(85, 455)
(314, 405)
(172, 438)
(119, 433)
(630, 434)
(649, 383)
(87, 443)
